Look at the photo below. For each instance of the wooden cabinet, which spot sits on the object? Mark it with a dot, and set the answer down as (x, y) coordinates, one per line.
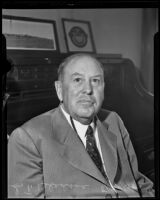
(30, 85)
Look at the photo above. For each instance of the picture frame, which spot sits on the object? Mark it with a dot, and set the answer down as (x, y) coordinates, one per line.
(78, 36)
(26, 33)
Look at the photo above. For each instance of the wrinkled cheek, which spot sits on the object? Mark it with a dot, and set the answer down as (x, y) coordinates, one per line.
(72, 103)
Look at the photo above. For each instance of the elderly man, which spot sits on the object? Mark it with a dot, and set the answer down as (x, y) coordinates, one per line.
(76, 150)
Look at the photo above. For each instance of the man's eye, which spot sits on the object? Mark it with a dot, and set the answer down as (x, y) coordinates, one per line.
(96, 81)
(77, 80)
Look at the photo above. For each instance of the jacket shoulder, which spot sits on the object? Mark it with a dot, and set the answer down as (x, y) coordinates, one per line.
(37, 127)
(104, 114)
(39, 120)
(111, 119)
(33, 132)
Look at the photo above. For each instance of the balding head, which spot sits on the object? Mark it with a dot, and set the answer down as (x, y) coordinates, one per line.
(73, 58)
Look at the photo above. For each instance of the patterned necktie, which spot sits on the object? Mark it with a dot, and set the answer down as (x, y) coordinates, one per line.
(93, 150)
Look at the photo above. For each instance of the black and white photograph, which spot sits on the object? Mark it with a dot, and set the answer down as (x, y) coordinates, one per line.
(79, 112)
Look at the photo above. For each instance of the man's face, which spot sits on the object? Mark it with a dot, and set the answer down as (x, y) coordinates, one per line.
(82, 89)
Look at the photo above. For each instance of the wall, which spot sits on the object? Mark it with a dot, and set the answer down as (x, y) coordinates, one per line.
(114, 30)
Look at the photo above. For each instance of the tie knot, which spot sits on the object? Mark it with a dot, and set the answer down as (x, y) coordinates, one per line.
(89, 131)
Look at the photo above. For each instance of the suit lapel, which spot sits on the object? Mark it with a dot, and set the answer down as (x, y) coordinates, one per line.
(78, 157)
(108, 146)
(72, 150)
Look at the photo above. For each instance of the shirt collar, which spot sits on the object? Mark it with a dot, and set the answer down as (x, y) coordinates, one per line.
(81, 128)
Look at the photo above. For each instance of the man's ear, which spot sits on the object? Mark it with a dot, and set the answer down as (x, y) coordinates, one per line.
(58, 86)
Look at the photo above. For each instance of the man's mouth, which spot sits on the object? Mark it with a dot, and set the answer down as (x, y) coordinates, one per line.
(86, 101)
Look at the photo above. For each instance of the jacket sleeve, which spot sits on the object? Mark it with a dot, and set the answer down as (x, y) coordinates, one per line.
(25, 177)
(145, 185)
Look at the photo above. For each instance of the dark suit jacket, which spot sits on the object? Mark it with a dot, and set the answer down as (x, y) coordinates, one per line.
(47, 159)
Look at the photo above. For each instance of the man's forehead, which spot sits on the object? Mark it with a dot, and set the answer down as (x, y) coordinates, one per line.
(83, 63)
(81, 58)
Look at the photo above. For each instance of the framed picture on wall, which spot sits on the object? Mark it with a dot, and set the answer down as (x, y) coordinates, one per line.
(29, 33)
(78, 36)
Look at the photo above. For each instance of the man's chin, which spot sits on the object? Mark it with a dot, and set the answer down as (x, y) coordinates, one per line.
(86, 113)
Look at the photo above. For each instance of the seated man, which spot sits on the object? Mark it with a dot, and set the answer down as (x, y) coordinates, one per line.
(76, 150)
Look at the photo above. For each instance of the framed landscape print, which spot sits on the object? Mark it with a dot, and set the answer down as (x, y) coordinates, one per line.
(78, 36)
(29, 33)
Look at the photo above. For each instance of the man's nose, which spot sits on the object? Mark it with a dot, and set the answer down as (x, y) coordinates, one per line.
(88, 87)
